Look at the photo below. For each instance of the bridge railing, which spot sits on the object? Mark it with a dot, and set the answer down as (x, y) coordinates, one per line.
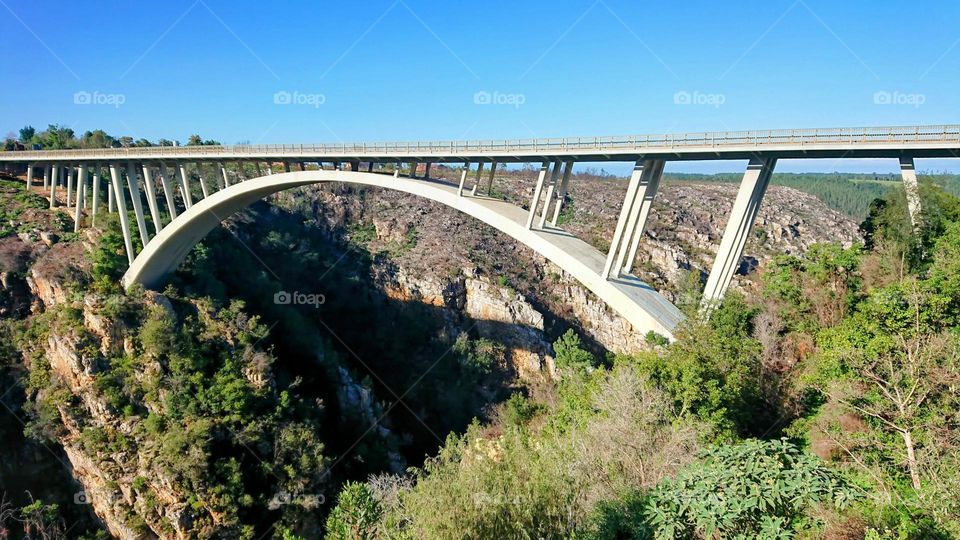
(719, 140)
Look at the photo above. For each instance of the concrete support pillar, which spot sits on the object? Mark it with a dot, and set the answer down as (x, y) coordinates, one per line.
(95, 202)
(426, 171)
(493, 172)
(181, 170)
(111, 200)
(270, 168)
(413, 169)
(476, 179)
(463, 178)
(53, 185)
(912, 188)
(649, 185)
(122, 207)
(735, 236)
(370, 167)
(286, 166)
(627, 216)
(259, 171)
(46, 176)
(562, 192)
(396, 170)
(168, 191)
(69, 185)
(535, 200)
(551, 187)
(29, 175)
(151, 188)
(81, 196)
(133, 186)
(203, 182)
(302, 166)
(223, 172)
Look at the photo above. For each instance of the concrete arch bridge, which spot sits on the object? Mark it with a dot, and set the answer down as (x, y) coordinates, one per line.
(188, 191)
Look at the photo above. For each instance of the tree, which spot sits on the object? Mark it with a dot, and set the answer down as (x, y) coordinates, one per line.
(356, 515)
(755, 489)
(570, 356)
(194, 140)
(26, 134)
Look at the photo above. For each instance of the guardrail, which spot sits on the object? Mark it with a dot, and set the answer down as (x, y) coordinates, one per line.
(800, 137)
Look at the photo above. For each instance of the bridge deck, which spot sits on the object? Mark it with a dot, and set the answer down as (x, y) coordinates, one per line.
(872, 142)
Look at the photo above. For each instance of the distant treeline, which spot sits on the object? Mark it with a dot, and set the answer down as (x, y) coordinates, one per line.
(849, 193)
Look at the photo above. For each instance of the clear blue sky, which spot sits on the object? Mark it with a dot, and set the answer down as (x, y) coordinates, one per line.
(412, 69)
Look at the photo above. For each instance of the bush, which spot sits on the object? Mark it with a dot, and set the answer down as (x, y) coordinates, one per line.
(356, 515)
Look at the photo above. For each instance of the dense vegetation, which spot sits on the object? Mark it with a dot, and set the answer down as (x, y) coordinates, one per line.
(851, 354)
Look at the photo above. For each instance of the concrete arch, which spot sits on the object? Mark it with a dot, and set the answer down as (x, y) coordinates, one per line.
(635, 301)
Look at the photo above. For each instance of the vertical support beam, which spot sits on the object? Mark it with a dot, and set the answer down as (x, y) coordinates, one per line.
(226, 179)
(95, 202)
(413, 169)
(81, 195)
(463, 178)
(742, 216)
(426, 171)
(562, 193)
(910, 185)
(111, 200)
(476, 179)
(302, 166)
(53, 185)
(29, 175)
(203, 182)
(122, 207)
(269, 168)
(626, 210)
(181, 169)
(132, 185)
(259, 171)
(535, 200)
(649, 185)
(493, 171)
(286, 167)
(370, 167)
(554, 176)
(151, 188)
(168, 192)
(46, 176)
(69, 185)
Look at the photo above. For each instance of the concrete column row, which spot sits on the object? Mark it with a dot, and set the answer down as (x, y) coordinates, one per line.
(641, 191)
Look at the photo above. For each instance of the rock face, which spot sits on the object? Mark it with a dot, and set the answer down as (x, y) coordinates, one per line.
(443, 258)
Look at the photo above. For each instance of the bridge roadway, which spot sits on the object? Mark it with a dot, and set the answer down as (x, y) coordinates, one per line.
(133, 174)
